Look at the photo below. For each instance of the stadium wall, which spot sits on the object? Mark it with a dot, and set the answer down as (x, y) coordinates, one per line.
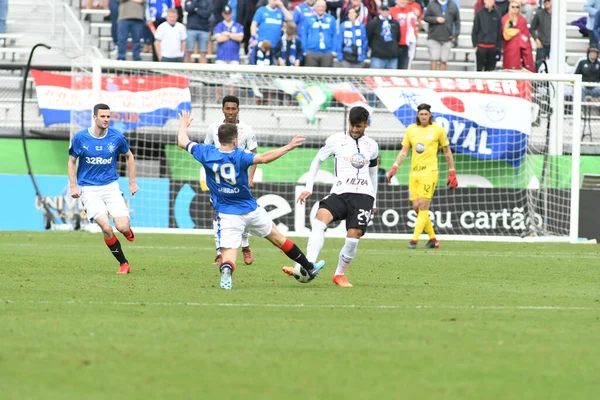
(181, 201)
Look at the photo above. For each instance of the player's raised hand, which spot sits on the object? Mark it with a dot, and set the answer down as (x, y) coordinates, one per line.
(133, 188)
(185, 119)
(391, 173)
(452, 181)
(75, 193)
(303, 196)
(297, 141)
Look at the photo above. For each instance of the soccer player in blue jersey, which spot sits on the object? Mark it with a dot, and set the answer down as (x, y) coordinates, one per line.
(267, 23)
(237, 210)
(97, 149)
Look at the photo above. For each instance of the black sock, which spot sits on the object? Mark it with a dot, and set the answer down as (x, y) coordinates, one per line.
(295, 254)
(115, 249)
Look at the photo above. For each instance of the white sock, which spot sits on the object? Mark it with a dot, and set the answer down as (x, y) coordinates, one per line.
(216, 231)
(315, 240)
(245, 242)
(346, 255)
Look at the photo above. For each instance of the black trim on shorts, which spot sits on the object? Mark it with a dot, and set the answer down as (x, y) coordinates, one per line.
(354, 208)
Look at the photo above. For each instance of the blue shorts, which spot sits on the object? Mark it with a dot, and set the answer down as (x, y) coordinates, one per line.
(197, 36)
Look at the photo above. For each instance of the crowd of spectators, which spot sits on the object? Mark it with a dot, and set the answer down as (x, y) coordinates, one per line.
(324, 33)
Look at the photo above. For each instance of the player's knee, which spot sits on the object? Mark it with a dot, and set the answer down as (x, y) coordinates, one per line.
(122, 226)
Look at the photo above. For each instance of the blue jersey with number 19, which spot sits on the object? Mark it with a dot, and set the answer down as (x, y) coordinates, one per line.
(226, 177)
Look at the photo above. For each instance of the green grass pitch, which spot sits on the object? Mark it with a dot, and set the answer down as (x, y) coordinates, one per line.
(466, 321)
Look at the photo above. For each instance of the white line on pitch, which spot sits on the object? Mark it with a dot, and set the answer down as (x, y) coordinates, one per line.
(428, 253)
(282, 305)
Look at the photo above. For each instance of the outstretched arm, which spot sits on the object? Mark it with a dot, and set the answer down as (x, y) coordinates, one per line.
(273, 155)
(185, 119)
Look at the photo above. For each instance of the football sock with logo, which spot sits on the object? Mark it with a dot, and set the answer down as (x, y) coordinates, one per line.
(115, 248)
(422, 218)
(245, 242)
(429, 228)
(315, 240)
(295, 254)
(347, 254)
(216, 231)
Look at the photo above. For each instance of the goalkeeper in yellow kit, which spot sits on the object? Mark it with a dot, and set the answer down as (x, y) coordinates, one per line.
(425, 137)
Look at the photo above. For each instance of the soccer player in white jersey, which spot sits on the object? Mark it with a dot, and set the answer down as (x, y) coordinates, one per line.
(353, 192)
(97, 149)
(246, 141)
(237, 210)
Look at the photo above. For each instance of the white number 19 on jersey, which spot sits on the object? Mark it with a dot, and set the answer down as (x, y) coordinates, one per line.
(227, 172)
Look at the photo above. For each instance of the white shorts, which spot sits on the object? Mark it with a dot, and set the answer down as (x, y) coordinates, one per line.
(230, 227)
(103, 200)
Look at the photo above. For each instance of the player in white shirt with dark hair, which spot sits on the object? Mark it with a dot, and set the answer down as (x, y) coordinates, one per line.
(237, 210)
(97, 149)
(353, 192)
(246, 141)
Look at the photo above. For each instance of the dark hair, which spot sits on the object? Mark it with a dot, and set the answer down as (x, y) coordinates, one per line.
(430, 117)
(227, 132)
(357, 115)
(100, 106)
(230, 99)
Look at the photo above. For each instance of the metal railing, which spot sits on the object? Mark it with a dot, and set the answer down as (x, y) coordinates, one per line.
(77, 39)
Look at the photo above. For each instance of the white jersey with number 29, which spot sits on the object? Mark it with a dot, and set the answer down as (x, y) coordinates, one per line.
(246, 138)
(352, 160)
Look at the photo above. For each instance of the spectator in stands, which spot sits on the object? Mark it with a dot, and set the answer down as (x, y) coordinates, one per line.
(156, 14)
(361, 10)
(353, 42)
(198, 27)
(407, 19)
(179, 8)
(333, 6)
(592, 7)
(267, 23)
(241, 14)
(262, 54)
(3, 15)
(383, 34)
(288, 51)
(113, 6)
(596, 30)
(528, 8)
(540, 29)
(320, 37)
(131, 21)
(443, 18)
(503, 5)
(516, 40)
(301, 13)
(89, 4)
(589, 69)
(229, 35)
(487, 36)
(417, 8)
(170, 38)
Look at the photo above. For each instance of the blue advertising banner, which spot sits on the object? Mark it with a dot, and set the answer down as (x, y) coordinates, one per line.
(22, 210)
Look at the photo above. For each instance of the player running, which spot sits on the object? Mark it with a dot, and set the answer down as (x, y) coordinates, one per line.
(236, 209)
(97, 149)
(425, 137)
(246, 141)
(353, 192)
